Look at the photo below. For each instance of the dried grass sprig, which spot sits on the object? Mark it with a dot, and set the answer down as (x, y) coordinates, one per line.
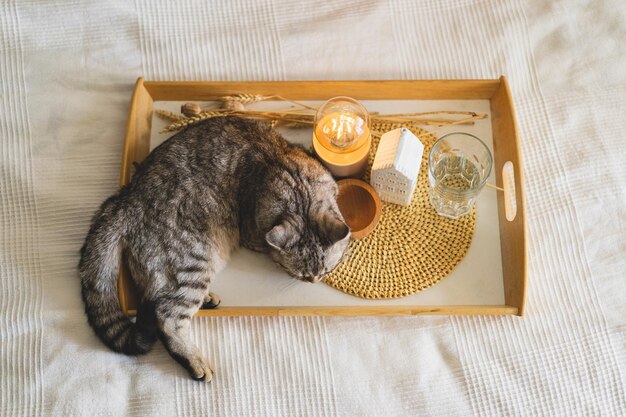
(297, 103)
(168, 115)
(423, 121)
(245, 98)
(192, 120)
(255, 98)
(303, 115)
(457, 112)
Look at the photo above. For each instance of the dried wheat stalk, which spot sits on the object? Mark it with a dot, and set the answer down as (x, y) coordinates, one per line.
(168, 115)
(192, 120)
(245, 98)
(303, 115)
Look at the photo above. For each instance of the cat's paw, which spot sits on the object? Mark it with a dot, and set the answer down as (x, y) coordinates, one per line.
(211, 301)
(200, 369)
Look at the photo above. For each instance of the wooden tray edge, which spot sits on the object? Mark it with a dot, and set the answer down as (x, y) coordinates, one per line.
(513, 245)
(139, 123)
(486, 310)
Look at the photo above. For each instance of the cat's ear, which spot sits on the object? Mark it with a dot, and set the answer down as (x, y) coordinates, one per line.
(334, 229)
(281, 236)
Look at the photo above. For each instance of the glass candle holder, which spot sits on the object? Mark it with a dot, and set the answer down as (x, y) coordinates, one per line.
(458, 167)
(341, 136)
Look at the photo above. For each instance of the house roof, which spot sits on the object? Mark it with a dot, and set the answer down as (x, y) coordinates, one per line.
(401, 150)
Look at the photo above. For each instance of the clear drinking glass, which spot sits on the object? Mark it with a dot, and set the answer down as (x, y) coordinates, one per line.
(458, 167)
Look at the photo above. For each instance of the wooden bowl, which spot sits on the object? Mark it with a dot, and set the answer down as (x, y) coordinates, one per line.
(360, 206)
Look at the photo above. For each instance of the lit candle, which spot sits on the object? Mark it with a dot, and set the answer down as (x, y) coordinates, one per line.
(341, 138)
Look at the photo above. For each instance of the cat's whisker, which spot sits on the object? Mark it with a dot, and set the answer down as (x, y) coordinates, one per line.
(288, 286)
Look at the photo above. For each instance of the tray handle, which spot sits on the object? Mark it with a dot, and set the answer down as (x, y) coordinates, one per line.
(508, 184)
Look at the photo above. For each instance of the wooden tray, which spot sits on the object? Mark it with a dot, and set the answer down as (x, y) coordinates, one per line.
(506, 147)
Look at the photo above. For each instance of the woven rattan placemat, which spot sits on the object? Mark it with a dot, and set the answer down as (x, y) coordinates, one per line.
(411, 249)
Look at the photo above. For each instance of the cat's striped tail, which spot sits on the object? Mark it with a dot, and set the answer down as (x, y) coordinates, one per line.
(98, 269)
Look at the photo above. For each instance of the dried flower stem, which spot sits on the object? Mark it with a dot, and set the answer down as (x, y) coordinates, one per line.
(423, 121)
(468, 113)
(302, 115)
(467, 121)
(297, 103)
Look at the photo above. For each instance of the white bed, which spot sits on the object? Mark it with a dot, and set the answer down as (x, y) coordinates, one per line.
(66, 75)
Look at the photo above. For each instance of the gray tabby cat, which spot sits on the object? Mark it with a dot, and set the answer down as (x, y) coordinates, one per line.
(196, 197)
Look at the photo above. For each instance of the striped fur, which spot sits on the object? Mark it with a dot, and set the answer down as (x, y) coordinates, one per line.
(214, 186)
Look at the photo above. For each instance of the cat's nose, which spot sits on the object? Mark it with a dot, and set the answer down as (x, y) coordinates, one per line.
(315, 279)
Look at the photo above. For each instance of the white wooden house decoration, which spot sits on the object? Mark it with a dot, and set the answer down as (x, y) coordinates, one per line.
(396, 166)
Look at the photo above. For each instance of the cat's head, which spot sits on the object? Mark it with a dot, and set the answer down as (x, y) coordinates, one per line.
(309, 248)
(304, 230)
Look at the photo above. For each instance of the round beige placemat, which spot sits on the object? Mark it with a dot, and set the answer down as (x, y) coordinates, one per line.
(411, 249)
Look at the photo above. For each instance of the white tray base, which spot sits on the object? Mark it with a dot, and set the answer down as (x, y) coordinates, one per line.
(253, 280)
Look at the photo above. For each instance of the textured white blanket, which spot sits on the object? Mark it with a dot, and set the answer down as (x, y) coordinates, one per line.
(66, 75)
